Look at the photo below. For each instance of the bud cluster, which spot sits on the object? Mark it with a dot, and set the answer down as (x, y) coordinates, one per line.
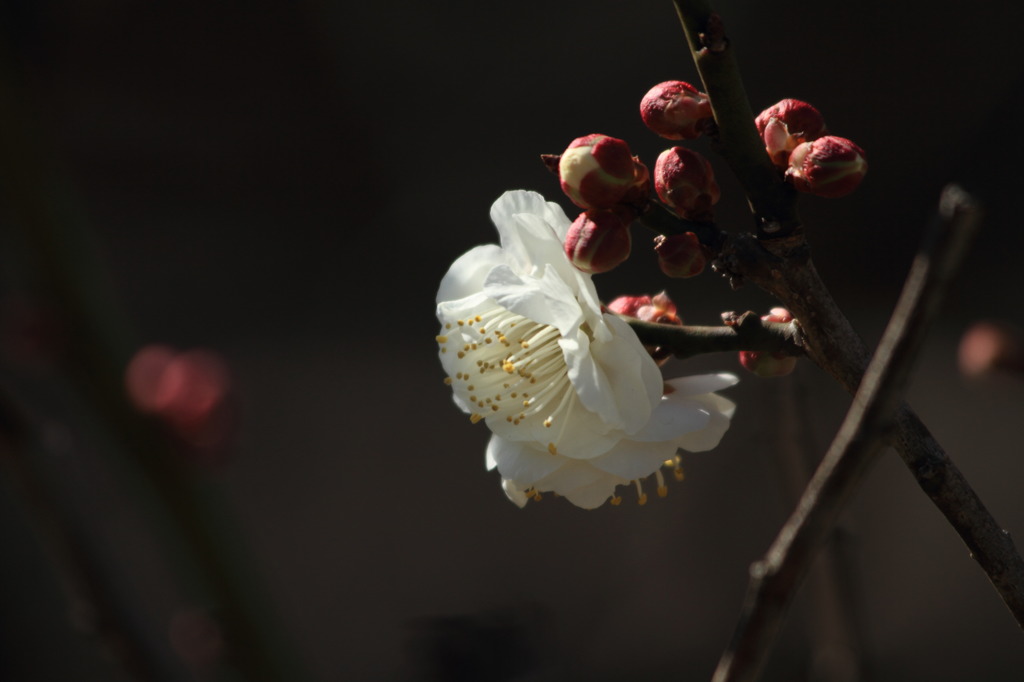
(598, 240)
(795, 139)
(600, 175)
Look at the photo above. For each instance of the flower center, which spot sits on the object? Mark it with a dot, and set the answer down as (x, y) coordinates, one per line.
(510, 367)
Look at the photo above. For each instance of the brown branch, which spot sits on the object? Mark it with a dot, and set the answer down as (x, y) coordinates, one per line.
(774, 579)
(741, 332)
(779, 262)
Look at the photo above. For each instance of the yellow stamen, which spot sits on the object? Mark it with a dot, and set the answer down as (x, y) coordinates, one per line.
(552, 449)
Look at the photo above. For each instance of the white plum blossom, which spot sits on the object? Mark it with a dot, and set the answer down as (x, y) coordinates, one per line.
(575, 404)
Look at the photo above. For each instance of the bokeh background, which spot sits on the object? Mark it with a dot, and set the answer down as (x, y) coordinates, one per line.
(286, 183)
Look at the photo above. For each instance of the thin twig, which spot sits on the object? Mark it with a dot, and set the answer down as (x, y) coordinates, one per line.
(775, 577)
(741, 332)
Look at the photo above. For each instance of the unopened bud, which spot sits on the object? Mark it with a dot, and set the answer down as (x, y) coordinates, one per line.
(768, 364)
(675, 110)
(680, 255)
(659, 309)
(685, 181)
(827, 167)
(598, 240)
(787, 124)
(596, 171)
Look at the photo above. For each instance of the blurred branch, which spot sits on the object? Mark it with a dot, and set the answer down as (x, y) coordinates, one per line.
(778, 260)
(774, 578)
(834, 629)
(91, 586)
(99, 346)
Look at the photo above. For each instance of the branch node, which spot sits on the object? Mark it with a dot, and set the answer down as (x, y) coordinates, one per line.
(712, 38)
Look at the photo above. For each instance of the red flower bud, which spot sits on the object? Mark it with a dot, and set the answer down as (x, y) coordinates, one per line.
(675, 110)
(827, 167)
(766, 364)
(680, 255)
(787, 124)
(598, 240)
(685, 181)
(596, 171)
(658, 309)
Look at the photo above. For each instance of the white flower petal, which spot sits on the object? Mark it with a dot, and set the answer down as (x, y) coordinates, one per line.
(593, 495)
(546, 300)
(466, 275)
(701, 383)
(531, 230)
(721, 411)
(571, 475)
(580, 434)
(513, 493)
(520, 462)
(671, 419)
(631, 460)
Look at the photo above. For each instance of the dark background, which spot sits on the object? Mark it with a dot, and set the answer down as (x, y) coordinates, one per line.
(286, 183)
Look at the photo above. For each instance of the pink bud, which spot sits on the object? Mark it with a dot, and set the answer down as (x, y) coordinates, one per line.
(766, 364)
(827, 167)
(596, 171)
(778, 315)
(685, 181)
(787, 124)
(659, 309)
(675, 110)
(680, 255)
(598, 240)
